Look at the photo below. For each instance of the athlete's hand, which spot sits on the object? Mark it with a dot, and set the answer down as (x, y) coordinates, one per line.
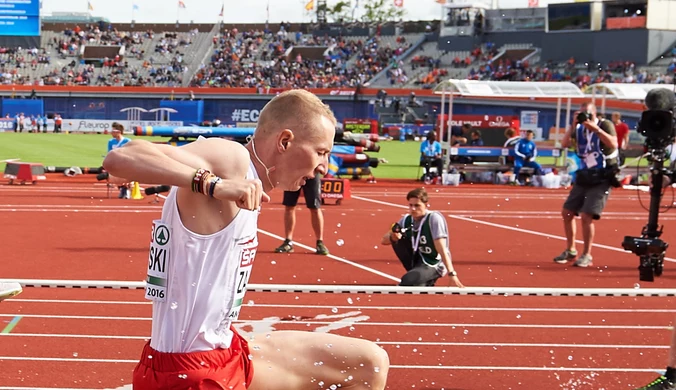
(394, 237)
(247, 194)
(456, 281)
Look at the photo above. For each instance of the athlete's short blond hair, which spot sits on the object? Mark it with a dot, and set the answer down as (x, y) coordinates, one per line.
(296, 109)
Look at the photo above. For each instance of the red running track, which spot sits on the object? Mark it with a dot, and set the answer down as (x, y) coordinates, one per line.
(500, 237)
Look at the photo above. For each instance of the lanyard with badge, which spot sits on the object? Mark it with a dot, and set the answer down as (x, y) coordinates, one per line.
(416, 240)
(589, 155)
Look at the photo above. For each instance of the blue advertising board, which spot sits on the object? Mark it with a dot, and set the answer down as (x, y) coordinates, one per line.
(20, 18)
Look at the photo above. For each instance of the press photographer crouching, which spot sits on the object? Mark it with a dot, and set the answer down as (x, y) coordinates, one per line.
(596, 146)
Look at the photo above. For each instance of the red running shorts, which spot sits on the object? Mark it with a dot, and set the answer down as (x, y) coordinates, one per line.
(227, 369)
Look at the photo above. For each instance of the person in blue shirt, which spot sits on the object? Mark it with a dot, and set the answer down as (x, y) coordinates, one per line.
(526, 152)
(117, 141)
(476, 139)
(430, 153)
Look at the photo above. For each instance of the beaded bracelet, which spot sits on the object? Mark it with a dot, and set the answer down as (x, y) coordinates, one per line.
(204, 182)
(200, 179)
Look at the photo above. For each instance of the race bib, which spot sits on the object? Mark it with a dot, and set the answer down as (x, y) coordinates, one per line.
(590, 160)
(158, 262)
(247, 253)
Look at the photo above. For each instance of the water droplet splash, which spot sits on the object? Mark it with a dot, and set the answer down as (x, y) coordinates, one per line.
(340, 242)
(174, 305)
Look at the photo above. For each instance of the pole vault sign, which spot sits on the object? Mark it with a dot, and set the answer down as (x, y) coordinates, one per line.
(158, 262)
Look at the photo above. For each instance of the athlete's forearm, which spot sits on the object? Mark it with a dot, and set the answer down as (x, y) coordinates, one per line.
(145, 162)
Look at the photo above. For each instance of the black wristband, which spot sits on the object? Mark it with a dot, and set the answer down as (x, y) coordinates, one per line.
(212, 185)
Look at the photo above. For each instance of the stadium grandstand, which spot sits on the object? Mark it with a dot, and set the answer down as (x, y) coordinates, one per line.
(491, 44)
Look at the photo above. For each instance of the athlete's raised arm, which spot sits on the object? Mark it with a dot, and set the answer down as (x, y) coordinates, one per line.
(151, 163)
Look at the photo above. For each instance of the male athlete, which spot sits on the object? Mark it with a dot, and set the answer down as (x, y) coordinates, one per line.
(420, 241)
(203, 247)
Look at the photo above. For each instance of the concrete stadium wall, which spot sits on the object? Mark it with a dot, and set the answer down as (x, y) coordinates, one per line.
(640, 46)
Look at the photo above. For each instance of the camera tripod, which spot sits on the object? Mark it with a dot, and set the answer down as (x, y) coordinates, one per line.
(649, 247)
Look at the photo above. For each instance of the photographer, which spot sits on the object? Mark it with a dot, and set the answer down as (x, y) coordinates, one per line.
(420, 240)
(596, 146)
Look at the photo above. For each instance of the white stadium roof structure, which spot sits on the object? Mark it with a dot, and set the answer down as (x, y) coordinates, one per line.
(622, 91)
(508, 89)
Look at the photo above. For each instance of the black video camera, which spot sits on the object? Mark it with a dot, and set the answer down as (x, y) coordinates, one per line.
(658, 128)
(583, 117)
(396, 228)
(102, 176)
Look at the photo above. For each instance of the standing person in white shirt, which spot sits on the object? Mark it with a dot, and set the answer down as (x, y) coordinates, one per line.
(203, 248)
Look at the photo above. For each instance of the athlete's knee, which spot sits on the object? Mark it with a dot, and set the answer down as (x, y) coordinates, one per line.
(376, 371)
(410, 279)
(587, 218)
(567, 214)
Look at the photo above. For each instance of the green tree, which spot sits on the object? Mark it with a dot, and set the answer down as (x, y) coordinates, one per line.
(341, 12)
(381, 11)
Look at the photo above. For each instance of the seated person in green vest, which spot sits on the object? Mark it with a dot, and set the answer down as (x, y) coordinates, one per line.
(420, 241)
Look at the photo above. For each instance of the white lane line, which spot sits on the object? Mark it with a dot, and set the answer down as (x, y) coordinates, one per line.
(395, 343)
(406, 367)
(400, 324)
(372, 307)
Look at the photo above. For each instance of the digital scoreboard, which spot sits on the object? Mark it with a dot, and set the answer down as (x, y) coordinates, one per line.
(337, 189)
(20, 18)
